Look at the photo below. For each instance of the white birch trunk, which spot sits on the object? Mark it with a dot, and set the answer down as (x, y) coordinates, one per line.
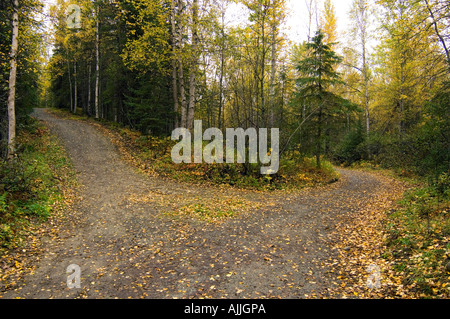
(194, 62)
(12, 82)
(272, 77)
(176, 106)
(180, 65)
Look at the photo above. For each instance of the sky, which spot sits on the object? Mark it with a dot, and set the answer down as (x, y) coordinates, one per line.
(297, 22)
(297, 17)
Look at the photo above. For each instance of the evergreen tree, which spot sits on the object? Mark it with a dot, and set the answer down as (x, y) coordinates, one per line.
(317, 77)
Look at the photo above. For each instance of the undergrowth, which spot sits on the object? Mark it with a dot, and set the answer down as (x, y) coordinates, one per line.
(418, 239)
(30, 183)
(153, 154)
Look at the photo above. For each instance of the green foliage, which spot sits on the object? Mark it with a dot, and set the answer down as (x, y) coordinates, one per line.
(153, 154)
(294, 172)
(442, 185)
(423, 151)
(147, 105)
(3, 203)
(315, 93)
(29, 63)
(433, 137)
(352, 148)
(317, 69)
(139, 51)
(134, 81)
(148, 34)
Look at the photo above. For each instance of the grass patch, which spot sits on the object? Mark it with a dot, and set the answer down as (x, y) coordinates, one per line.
(214, 211)
(30, 184)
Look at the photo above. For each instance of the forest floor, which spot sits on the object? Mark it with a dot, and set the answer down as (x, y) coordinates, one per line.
(140, 236)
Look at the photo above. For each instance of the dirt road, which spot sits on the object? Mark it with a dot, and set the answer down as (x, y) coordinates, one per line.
(127, 246)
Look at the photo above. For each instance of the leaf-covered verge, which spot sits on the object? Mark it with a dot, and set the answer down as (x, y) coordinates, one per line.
(35, 187)
(418, 239)
(153, 155)
(409, 240)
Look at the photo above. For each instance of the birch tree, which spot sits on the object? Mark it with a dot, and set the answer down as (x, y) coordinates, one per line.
(12, 81)
(359, 15)
(276, 18)
(176, 106)
(193, 65)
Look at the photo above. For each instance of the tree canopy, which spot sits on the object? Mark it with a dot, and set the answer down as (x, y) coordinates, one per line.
(157, 65)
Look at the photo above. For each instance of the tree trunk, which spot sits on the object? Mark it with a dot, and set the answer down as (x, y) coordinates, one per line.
(263, 68)
(88, 107)
(97, 66)
(309, 6)
(191, 107)
(319, 138)
(363, 30)
(366, 98)
(180, 65)
(182, 93)
(402, 100)
(12, 82)
(176, 105)
(436, 29)
(222, 67)
(194, 66)
(272, 77)
(75, 104)
(69, 72)
(319, 125)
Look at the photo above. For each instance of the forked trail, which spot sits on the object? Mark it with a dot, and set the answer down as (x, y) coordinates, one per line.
(127, 246)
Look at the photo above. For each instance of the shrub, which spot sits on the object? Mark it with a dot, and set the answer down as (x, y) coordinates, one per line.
(443, 185)
(351, 149)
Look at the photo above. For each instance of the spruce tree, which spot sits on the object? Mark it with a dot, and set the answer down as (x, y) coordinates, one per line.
(318, 75)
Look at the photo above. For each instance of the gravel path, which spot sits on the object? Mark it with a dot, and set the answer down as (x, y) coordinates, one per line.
(126, 246)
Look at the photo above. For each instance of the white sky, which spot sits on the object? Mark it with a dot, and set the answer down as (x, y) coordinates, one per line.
(297, 17)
